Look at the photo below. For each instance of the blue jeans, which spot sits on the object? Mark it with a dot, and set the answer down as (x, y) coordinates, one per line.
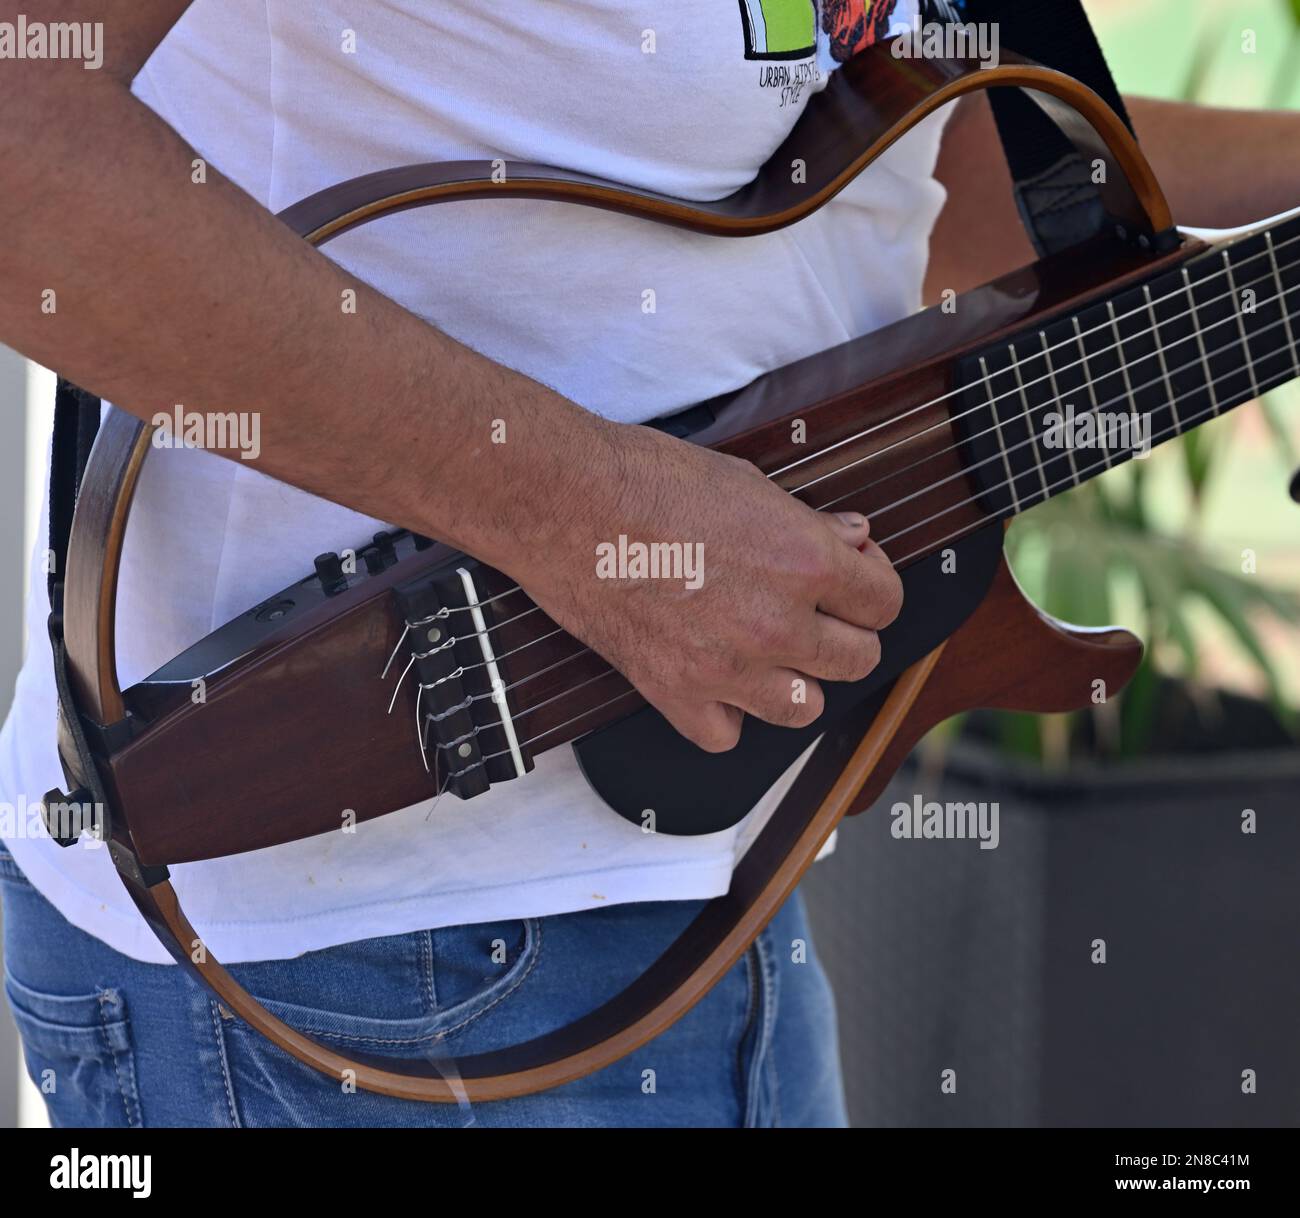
(114, 1042)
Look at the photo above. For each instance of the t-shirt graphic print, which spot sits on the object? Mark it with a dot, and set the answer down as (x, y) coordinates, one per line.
(853, 25)
(779, 29)
(787, 29)
(799, 43)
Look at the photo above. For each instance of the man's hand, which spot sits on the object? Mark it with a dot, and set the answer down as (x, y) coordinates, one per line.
(787, 594)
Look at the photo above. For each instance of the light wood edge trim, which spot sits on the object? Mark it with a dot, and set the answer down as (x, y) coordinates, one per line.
(775, 892)
(91, 638)
(110, 690)
(1090, 105)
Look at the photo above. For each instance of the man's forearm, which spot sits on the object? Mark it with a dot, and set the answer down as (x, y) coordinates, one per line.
(1219, 168)
(169, 291)
(166, 291)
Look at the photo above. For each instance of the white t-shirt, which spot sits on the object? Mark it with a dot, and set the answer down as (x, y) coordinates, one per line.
(687, 97)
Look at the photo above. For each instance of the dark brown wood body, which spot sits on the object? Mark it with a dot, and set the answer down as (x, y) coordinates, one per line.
(242, 788)
(211, 779)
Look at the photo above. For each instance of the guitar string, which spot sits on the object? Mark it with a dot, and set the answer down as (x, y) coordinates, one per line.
(440, 616)
(966, 470)
(564, 693)
(1211, 412)
(1015, 365)
(460, 670)
(1053, 372)
(1060, 399)
(1178, 426)
(1069, 342)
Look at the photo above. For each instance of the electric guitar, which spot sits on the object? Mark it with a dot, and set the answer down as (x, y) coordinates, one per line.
(939, 428)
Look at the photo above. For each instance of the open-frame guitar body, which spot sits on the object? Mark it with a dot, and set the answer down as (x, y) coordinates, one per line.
(928, 427)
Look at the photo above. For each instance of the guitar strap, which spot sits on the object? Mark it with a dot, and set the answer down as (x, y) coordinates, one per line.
(1054, 186)
(76, 424)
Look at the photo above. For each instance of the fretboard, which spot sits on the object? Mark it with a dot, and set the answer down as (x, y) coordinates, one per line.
(1057, 406)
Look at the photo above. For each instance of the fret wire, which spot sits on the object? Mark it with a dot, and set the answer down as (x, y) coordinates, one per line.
(997, 430)
(1281, 295)
(999, 397)
(1056, 397)
(954, 447)
(1280, 379)
(963, 473)
(957, 392)
(1123, 367)
(1200, 341)
(1164, 364)
(1087, 367)
(1029, 422)
(1241, 323)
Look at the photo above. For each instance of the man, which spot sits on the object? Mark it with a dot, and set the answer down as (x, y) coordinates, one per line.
(141, 261)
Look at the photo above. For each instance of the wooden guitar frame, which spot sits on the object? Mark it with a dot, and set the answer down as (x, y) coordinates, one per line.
(870, 103)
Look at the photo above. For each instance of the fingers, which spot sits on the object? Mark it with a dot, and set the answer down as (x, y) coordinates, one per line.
(853, 528)
(784, 698)
(873, 550)
(863, 588)
(839, 651)
(769, 664)
(713, 726)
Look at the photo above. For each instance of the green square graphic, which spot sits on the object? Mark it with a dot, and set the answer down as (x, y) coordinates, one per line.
(779, 29)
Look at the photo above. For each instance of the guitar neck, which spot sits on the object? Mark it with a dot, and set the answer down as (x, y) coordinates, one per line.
(1065, 391)
(1052, 408)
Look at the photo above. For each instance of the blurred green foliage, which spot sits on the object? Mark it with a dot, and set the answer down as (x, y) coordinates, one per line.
(1130, 546)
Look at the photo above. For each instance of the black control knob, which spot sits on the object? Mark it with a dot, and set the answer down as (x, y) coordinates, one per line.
(381, 554)
(329, 570)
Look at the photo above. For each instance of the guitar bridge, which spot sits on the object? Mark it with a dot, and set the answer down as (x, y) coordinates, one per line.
(465, 729)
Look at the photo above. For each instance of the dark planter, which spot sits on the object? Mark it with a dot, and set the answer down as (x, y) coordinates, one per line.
(945, 956)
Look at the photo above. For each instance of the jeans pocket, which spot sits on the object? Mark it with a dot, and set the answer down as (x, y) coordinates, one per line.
(427, 989)
(78, 1053)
